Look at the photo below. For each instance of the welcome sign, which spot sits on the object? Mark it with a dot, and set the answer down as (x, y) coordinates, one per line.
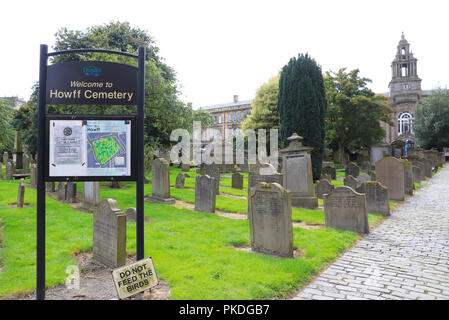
(91, 82)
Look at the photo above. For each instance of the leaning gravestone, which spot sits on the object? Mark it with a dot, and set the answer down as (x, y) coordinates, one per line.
(352, 169)
(9, 170)
(270, 218)
(109, 236)
(213, 170)
(33, 176)
(160, 182)
(237, 180)
(131, 215)
(50, 187)
(345, 209)
(205, 194)
(391, 173)
(323, 187)
(180, 180)
(91, 195)
(351, 182)
(70, 192)
(330, 170)
(21, 193)
(376, 197)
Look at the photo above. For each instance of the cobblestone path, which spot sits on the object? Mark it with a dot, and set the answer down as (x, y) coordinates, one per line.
(406, 257)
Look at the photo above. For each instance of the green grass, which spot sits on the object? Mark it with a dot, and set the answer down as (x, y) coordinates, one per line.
(191, 250)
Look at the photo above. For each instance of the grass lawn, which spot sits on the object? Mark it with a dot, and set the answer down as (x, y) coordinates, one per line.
(192, 251)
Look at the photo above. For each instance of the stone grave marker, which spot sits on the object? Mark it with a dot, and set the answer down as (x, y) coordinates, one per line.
(180, 180)
(5, 157)
(329, 170)
(91, 195)
(237, 180)
(352, 170)
(391, 173)
(185, 167)
(9, 171)
(70, 192)
(416, 174)
(109, 234)
(345, 209)
(326, 177)
(270, 217)
(323, 187)
(21, 193)
(205, 194)
(427, 168)
(422, 170)
(352, 182)
(160, 182)
(408, 174)
(365, 166)
(26, 163)
(18, 153)
(50, 186)
(377, 198)
(213, 170)
(363, 178)
(62, 189)
(298, 173)
(115, 184)
(131, 214)
(33, 175)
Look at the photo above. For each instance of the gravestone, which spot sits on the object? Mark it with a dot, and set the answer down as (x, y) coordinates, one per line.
(213, 170)
(329, 170)
(391, 173)
(131, 214)
(409, 181)
(70, 192)
(62, 189)
(33, 175)
(363, 178)
(345, 209)
(9, 171)
(352, 170)
(270, 218)
(5, 157)
(262, 173)
(185, 167)
(298, 177)
(180, 180)
(422, 168)
(416, 174)
(351, 182)
(17, 153)
(160, 182)
(109, 234)
(427, 168)
(323, 187)
(365, 166)
(50, 187)
(237, 180)
(91, 195)
(326, 177)
(205, 194)
(376, 196)
(115, 184)
(21, 193)
(26, 163)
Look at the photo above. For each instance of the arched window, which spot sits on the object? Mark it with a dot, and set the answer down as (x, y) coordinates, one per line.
(405, 122)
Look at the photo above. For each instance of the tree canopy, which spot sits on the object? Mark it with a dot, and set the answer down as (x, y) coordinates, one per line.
(6, 127)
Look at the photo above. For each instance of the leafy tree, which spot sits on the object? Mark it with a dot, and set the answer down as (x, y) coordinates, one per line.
(354, 111)
(431, 125)
(6, 128)
(302, 106)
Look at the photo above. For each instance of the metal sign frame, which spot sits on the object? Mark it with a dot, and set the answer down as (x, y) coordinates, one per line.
(42, 157)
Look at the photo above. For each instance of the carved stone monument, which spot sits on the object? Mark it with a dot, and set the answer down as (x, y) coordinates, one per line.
(391, 173)
(377, 198)
(160, 182)
(91, 195)
(352, 169)
(18, 153)
(237, 180)
(205, 194)
(323, 187)
(180, 180)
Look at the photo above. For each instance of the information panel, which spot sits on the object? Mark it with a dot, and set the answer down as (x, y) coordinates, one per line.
(89, 148)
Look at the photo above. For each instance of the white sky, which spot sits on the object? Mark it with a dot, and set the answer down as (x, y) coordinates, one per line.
(222, 48)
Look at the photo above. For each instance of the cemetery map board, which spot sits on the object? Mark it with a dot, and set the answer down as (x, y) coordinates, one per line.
(85, 148)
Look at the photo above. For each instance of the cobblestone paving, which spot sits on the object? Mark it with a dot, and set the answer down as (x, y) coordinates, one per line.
(406, 257)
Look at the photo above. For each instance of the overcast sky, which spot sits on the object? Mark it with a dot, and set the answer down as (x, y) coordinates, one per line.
(224, 48)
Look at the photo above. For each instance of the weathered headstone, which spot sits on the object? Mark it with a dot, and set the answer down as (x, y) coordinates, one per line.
(427, 168)
(17, 154)
(109, 235)
(323, 187)
(326, 177)
(33, 175)
(180, 180)
(416, 174)
(346, 209)
(50, 187)
(131, 214)
(70, 192)
(391, 173)
(62, 189)
(237, 180)
(298, 177)
(205, 194)
(160, 182)
(213, 170)
(377, 198)
(270, 217)
(363, 178)
(352, 169)
(352, 182)
(21, 193)
(5, 157)
(409, 181)
(9, 171)
(91, 195)
(365, 166)
(330, 170)
(422, 168)
(26, 163)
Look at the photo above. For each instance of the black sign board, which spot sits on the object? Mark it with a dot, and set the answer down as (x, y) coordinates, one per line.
(92, 82)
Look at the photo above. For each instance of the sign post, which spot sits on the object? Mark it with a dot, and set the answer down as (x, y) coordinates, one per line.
(89, 82)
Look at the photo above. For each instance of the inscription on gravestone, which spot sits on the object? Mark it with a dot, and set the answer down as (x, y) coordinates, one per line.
(205, 194)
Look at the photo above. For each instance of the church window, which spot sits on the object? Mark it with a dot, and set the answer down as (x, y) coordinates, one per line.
(405, 123)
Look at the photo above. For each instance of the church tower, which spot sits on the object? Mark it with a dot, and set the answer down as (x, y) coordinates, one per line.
(405, 92)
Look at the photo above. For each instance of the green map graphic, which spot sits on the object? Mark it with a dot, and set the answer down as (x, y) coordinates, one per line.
(105, 149)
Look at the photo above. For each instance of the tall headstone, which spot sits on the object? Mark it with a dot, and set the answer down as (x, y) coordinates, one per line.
(109, 235)
(237, 180)
(213, 170)
(62, 189)
(270, 218)
(5, 157)
(205, 194)
(9, 170)
(377, 198)
(26, 163)
(70, 192)
(345, 209)
(180, 180)
(409, 181)
(160, 182)
(18, 153)
(422, 170)
(323, 187)
(391, 173)
(21, 193)
(352, 169)
(378, 152)
(91, 195)
(298, 173)
(416, 174)
(427, 168)
(33, 175)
